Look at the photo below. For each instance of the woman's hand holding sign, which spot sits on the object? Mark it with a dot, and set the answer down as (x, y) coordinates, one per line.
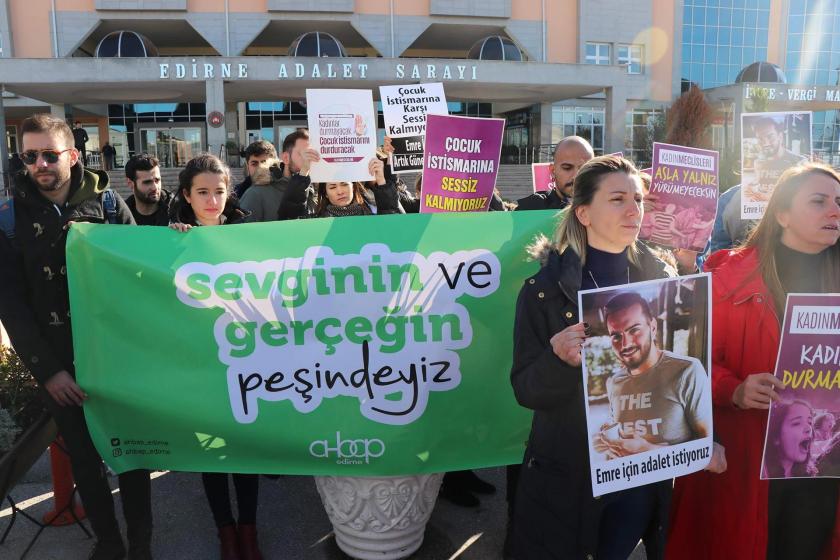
(568, 343)
(308, 157)
(377, 170)
(757, 391)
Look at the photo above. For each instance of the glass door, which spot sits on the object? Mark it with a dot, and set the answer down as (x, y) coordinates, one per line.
(172, 146)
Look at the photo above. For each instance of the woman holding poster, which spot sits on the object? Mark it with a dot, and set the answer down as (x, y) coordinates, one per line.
(338, 198)
(735, 514)
(204, 200)
(596, 245)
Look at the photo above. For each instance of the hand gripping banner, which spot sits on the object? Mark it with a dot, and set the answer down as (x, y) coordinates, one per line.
(356, 346)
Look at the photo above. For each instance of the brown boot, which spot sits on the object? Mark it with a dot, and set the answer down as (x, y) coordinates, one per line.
(249, 548)
(229, 543)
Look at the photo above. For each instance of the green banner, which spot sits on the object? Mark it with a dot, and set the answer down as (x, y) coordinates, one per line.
(356, 346)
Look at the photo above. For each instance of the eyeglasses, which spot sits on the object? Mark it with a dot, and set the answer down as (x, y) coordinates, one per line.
(29, 157)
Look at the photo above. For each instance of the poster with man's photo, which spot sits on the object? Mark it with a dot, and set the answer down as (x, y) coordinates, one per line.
(770, 144)
(803, 440)
(647, 380)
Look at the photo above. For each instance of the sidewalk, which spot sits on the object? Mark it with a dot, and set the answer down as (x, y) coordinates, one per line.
(292, 524)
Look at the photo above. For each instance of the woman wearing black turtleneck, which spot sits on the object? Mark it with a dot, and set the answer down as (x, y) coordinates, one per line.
(735, 515)
(555, 515)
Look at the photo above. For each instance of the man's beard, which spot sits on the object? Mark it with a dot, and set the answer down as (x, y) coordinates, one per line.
(146, 199)
(566, 190)
(56, 184)
(644, 352)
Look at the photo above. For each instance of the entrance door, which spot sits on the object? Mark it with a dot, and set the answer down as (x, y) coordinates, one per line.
(172, 146)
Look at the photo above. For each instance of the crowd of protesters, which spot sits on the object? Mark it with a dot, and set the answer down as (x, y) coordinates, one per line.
(722, 512)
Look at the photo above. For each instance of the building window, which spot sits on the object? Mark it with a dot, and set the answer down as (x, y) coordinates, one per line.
(631, 56)
(639, 136)
(597, 53)
(586, 122)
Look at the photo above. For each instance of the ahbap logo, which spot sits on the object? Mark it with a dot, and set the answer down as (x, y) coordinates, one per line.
(348, 451)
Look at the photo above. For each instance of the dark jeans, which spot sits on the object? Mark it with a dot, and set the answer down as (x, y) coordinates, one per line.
(92, 482)
(218, 496)
(624, 522)
(800, 517)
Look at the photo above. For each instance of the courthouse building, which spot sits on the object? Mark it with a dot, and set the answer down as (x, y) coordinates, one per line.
(174, 77)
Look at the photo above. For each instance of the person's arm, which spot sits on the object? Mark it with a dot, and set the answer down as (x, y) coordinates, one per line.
(385, 192)
(293, 204)
(253, 203)
(18, 319)
(124, 215)
(540, 379)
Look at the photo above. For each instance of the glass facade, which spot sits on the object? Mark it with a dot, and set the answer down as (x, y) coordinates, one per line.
(813, 58)
(638, 137)
(125, 120)
(720, 37)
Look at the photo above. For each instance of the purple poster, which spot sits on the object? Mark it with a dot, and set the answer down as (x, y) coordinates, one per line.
(802, 438)
(681, 205)
(460, 164)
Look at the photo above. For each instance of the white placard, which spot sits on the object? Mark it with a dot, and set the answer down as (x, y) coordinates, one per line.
(342, 127)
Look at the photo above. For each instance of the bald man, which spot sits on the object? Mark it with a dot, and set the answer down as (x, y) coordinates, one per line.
(569, 155)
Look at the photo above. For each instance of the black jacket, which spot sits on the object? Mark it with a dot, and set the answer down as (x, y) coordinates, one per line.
(294, 204)
(556, 515)
(161, 215)
(34, 300)
(542, 201)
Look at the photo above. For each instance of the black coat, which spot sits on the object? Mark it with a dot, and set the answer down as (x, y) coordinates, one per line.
(34, 299)
(549, 200)
(555, 513)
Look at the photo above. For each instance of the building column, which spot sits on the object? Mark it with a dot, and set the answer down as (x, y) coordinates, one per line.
(215, 100)
(615, 117)
(545, 124)
(4, 155)
(58, 111)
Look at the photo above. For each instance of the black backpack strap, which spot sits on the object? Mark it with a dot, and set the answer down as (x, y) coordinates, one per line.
(109, 205)
(7, 218)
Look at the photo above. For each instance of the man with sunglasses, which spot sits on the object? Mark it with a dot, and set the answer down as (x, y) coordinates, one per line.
(53, 191)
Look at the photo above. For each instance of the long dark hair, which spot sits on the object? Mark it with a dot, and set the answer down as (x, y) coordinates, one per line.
(323, 201)
(767, 235)
(773, 456)
(202, 163)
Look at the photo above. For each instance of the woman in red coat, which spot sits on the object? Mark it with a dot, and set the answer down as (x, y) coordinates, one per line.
(735, 514)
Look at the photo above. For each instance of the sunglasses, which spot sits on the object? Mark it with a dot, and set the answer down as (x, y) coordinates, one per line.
(29, 157)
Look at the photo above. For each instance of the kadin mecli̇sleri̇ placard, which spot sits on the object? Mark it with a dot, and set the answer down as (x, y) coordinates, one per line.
(683, 195)
(801, 440)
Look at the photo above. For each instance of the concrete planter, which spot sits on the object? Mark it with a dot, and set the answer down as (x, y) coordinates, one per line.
(379, 518)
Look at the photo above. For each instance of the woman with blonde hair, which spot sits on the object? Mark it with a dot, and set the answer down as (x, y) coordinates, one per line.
(596, 245)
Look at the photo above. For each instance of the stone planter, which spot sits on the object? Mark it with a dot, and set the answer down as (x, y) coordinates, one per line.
(379, 518)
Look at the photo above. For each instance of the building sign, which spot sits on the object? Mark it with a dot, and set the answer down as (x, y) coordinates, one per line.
(320, 70)
(816, 94)
(216, 119)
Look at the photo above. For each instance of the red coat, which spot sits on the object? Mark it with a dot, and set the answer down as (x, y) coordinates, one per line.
(725, 515)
